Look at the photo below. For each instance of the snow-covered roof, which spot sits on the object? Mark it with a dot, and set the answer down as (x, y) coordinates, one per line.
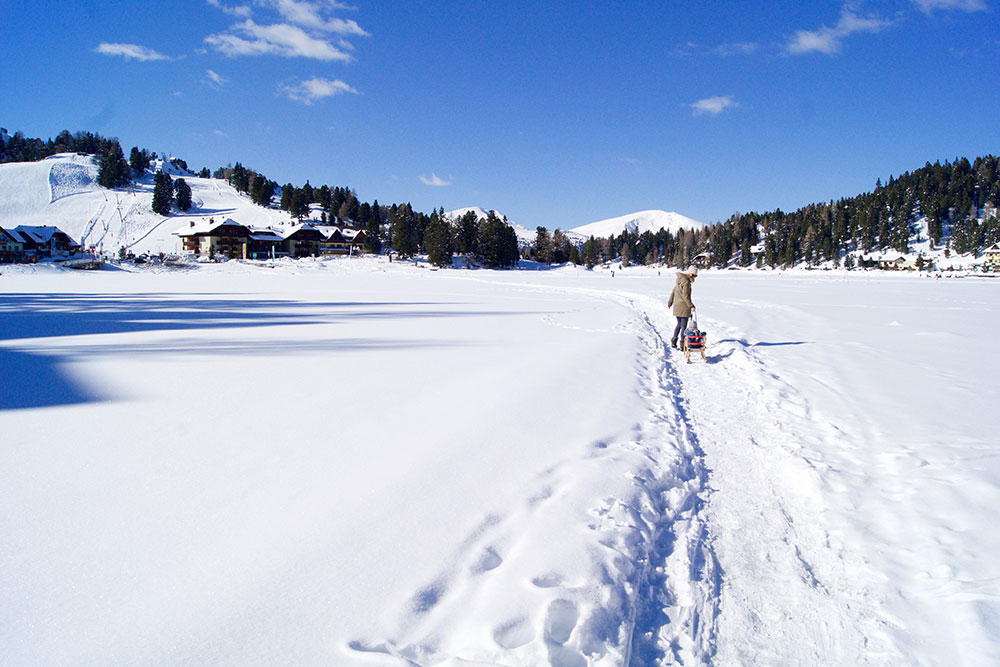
(265, 235)
(42, 234)
(207, 226)
(302, 226)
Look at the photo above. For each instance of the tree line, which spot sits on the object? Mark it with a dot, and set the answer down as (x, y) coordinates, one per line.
(958, 200)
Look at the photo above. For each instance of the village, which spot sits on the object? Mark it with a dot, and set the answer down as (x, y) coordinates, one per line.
(223, 239)
(228, 239)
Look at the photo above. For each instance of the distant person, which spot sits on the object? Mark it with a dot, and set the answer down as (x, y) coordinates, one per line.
(680, 299)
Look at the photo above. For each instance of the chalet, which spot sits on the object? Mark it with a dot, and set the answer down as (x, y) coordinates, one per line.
(333, 242)
(356, 237)
(701, 260)
(227, 238)
(45, 241)
(340, 240)
(11, 248)
(265, 244)
(303, 240)
(897, 263)
(992, 261)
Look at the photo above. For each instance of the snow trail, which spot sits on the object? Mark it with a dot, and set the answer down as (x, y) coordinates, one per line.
(645, 588)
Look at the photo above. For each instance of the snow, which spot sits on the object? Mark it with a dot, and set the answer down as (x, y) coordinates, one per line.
(643, 221)
(347, 461)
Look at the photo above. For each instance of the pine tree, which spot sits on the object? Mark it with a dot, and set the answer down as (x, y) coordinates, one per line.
(240, 178)
(182, 192)
(590, 253)
(286, 196)
(373, 230)
(163, 193)
(114, 170)
(560, 247)
(465, 233)
(543, 245)
(299, 205)
(403, 223)
(138, 160)
(437, 242)
(496, 243)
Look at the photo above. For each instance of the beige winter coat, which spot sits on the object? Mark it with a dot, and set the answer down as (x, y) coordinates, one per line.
(680, 298)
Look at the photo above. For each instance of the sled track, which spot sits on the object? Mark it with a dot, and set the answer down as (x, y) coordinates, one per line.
(677, 591)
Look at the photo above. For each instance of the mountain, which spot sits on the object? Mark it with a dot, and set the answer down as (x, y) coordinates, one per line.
(643, 221)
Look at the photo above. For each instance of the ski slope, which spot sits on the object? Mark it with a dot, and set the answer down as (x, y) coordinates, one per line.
(351, 462)
(62, 191)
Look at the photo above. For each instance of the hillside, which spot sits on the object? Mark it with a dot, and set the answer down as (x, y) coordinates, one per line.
(62, 191)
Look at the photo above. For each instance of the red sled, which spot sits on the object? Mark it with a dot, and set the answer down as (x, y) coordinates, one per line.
(694, 339)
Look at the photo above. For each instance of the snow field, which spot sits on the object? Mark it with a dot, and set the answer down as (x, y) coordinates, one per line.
(354, 462)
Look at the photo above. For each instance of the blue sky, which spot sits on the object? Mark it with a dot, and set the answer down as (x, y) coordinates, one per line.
(555, 113)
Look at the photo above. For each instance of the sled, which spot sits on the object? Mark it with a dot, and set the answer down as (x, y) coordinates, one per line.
(693, 339)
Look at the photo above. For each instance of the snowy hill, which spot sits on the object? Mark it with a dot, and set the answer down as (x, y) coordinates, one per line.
(643, 221)
(62, 191)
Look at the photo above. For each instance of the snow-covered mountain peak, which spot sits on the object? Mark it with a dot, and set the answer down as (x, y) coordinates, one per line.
(641, 221)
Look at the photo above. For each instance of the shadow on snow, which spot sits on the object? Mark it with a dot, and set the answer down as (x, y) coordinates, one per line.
(33, 375)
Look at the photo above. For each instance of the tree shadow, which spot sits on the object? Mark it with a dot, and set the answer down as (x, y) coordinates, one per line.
(33, 373)
(35, 381)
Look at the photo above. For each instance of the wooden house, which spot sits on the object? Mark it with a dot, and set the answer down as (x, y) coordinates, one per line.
(897, 263)
(992, 260)
(303, 240)
(265, 244)
(11, 248)
(45, 241)
(355, 237)
(227, 237)
(333, 241)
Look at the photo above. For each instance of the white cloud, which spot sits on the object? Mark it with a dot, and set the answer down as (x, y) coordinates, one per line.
(214, 79)
(219, 133)
(714, 105)
(828, 40)
(243, 11)
(130, 52)
(311, 15)
(280, 39)
(315, 89)
(928, 6)
(434, 181)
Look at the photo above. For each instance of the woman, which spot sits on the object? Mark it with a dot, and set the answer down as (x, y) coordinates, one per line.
(680, 299)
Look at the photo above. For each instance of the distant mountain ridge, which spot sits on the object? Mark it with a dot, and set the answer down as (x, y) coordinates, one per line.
(639, 222)
(642, 221)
